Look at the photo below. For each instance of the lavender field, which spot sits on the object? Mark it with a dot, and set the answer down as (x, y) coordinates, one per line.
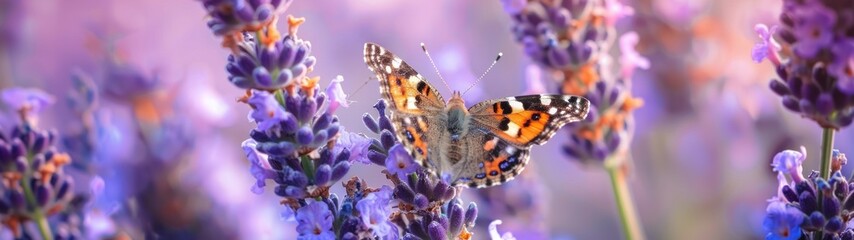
(401, 119)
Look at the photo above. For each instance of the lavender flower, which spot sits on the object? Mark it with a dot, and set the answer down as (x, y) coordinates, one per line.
(815, 78)
(543, 28)
(259, 166)
(235, 16)
(430, 208)
(315, 222)
(399, 162)
(265, 62)
(813, 23)
(790, 162)
(630, 59)
(358, 144)
(267, 112)
(26, 99)
(607, 128)
(375, 210)
(34, 185)
(782, 221)
(336, 95)
(767, 47)
(289, 124)
(808, 205)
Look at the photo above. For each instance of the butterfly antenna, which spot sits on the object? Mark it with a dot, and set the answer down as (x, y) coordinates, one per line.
(484, 72)
(361, 86)
(424, 48)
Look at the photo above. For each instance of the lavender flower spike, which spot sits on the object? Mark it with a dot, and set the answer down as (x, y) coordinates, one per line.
(814, 60)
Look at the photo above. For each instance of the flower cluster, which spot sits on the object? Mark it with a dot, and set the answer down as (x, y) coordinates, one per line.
(572, 39)
(567, 37)
(388, 151)
(363, 213)
(236, 16)
(430, 208)
(298, 143)
(813, 53)
(607, 128)
(810, 205)
(265, 62)
(293, 143)
(34, 184)
(427, 207)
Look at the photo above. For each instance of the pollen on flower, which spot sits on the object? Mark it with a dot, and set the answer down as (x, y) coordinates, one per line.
(10, 178)
(631, 104)
(245, 98)
(465, 235)
(272, 35)
(47, 170)
(293, 24)
(231, 41)
(587, 74)
(581, 80)
(309, 84)
(146, 110)
(61, 159)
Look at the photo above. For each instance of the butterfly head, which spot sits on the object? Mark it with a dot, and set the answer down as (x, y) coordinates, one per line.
(457, 116)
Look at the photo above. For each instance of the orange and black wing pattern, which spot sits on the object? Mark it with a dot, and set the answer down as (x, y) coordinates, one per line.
(531, 119)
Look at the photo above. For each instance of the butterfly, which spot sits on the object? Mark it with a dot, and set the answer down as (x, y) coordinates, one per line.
(485, 145)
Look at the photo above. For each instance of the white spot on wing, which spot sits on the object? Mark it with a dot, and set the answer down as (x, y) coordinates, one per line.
(512, 129)
(510, 150)
(396, 62)
(546, 101)
(552, 111)
(410, 103)
(414, 80)
(516, 106)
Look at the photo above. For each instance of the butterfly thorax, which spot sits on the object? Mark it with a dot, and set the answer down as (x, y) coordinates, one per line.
(458, 117)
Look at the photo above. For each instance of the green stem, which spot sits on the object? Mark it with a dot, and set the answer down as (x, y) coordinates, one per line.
(826, 150)
(38, 214)
(824, 170)
(625, 206)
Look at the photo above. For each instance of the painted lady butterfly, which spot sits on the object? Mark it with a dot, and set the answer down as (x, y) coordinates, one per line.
(485, 145)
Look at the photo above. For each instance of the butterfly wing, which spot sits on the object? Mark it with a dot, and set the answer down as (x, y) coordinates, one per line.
(414, 104)
(506, 129)
(498, 161)
(531, 119)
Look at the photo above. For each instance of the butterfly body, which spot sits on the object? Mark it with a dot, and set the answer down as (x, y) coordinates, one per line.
(485, 145)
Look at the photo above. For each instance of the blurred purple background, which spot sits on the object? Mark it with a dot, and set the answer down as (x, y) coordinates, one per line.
(170, 128)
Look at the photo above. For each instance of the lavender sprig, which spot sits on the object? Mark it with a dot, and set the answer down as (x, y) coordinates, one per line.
(809, 206)
(572, 41)
(34, 186)
(813, 54)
